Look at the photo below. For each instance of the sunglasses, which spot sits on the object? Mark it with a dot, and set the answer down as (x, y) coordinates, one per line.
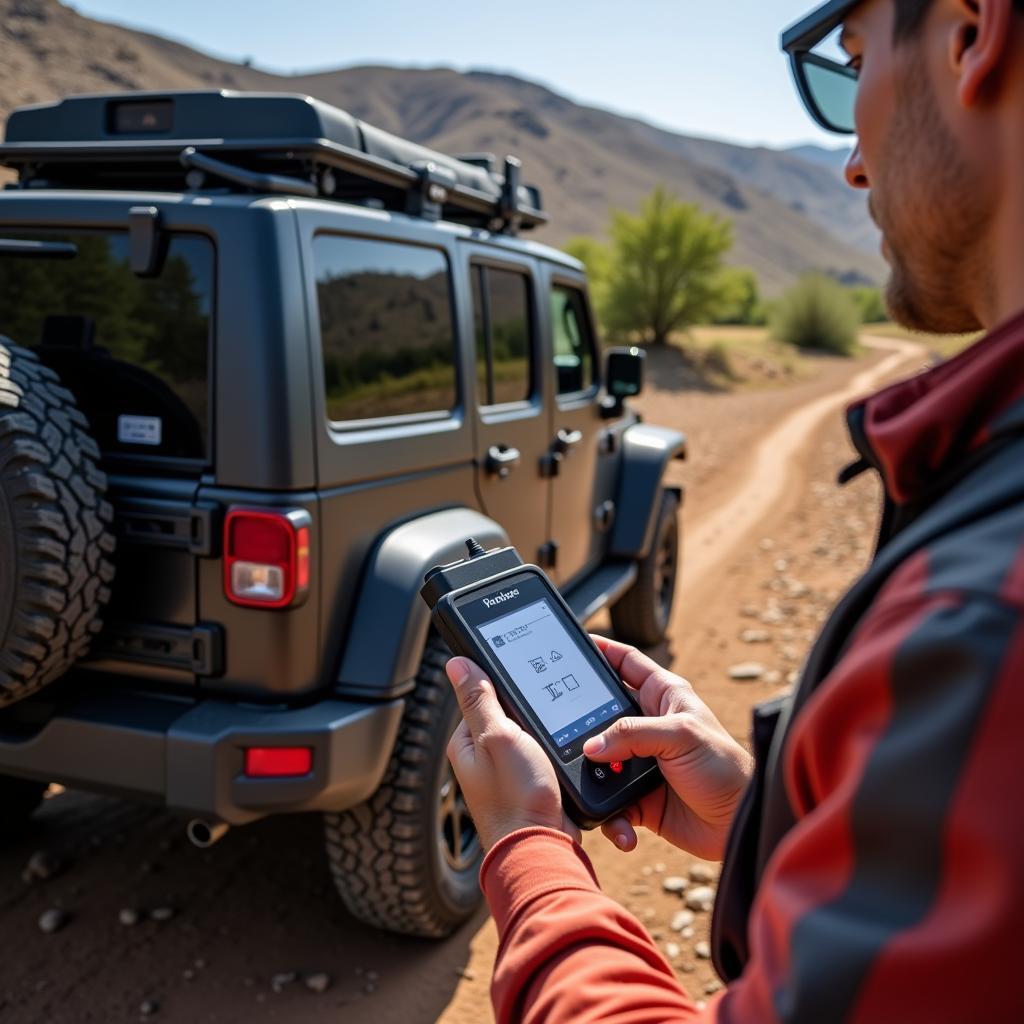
(827, 87)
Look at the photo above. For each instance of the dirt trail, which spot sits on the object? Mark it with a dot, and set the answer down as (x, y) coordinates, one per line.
(712, 537)
(762, 515)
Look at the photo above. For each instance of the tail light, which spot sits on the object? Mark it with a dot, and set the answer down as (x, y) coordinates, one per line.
(266, 557)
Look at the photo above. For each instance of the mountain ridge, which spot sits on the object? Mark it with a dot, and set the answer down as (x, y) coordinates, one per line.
(790, 214)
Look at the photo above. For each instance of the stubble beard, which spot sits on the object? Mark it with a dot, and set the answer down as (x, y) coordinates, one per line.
(931, 214)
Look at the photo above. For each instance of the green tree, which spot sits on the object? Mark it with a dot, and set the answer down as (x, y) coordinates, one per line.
(741, 299)
(817, 312)
(665, 269)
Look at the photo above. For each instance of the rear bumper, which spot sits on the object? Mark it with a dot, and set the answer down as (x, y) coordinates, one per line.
(190, 755)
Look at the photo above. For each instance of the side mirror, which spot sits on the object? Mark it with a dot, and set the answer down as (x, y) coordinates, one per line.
(624, 378)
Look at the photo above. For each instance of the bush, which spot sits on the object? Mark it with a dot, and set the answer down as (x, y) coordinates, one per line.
(871, 304)
(817, 313)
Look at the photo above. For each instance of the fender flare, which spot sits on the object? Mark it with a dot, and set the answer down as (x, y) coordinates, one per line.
(646, 451)
(389, 628)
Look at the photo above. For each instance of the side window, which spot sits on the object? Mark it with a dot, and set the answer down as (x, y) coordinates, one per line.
(386, 328)
(573, 340)
(501, 305)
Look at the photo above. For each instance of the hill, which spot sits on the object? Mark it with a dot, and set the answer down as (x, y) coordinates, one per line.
(791, 213)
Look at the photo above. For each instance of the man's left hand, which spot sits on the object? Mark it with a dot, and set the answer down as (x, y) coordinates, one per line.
(505, 776)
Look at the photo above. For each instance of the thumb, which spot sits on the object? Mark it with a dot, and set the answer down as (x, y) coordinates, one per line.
(475, 694)
(664, 737)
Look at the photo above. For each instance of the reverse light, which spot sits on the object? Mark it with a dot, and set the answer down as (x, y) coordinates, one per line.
(278, 762)
(266, 557)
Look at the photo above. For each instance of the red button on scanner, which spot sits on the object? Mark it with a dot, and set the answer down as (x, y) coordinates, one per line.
(616, 766)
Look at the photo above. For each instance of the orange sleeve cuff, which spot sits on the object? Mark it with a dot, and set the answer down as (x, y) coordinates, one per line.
(529, 863)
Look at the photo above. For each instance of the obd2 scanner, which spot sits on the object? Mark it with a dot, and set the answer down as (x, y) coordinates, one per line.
(549, 675)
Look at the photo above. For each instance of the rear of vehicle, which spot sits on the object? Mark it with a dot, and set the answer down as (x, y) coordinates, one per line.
(195, 387)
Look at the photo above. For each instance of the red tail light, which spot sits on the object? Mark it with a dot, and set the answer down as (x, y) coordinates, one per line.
(278, 762)
(266, 557)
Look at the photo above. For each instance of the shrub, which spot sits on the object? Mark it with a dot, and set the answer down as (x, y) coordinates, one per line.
(817, 313)
(871, 304)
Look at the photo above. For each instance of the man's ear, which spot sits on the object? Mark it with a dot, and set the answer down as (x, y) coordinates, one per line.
(979, 42)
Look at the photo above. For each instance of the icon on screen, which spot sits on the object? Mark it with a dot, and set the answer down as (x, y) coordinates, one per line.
(539, 665)
(555, 656)
(570, 683)
(498, 641)
(553, 691)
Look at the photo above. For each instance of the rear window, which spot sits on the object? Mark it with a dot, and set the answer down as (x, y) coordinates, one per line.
(386, 328)
(134, 351)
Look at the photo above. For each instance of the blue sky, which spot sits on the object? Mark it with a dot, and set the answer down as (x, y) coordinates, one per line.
(708, 68)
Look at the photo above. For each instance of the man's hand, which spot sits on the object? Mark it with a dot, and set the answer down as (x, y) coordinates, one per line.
(506, 778)
(705, 769)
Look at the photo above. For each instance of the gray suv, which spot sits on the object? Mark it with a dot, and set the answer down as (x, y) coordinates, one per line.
(262, 366)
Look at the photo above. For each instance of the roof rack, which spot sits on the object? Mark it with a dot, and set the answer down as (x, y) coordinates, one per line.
(257, 142)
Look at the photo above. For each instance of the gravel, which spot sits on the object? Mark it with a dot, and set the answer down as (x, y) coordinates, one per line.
(681, 919)
(53, 920)
(672, 950)
(161, 913)
(41, 865)
(755, 636)
(747, 670)
(279, 981)
(318, 983)
(702, 950)
(700, 898)
(701, 874)
(148, 1007)
(674, 883)
(128, 916)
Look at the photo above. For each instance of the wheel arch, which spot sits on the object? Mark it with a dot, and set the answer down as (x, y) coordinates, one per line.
(646, 452)
(390, 624)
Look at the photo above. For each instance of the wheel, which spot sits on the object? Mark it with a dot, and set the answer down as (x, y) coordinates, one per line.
(55, 538)
(18, 799)
(641, 615)
(408, 858)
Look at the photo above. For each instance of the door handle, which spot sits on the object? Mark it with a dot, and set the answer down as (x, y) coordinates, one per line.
(567, 439)
(501, 459)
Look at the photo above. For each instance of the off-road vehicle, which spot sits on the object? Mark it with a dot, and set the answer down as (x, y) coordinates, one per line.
(262, 366)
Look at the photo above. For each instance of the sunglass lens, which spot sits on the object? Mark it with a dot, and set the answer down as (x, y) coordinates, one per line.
(835, 94)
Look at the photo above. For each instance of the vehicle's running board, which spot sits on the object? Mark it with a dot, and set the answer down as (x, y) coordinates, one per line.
(601, 588)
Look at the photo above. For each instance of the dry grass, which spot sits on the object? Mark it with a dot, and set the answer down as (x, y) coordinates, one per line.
(943, 346)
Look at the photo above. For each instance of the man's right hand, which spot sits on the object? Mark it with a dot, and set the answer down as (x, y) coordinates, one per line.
(705, 769)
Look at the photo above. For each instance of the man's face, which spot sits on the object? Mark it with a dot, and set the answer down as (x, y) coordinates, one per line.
(927, 197)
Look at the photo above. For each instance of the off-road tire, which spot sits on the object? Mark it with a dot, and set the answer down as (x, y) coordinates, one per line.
(55, 539)
(385, 855)
(18, 799)
(641, 615)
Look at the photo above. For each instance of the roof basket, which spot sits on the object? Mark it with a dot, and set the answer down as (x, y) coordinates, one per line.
(258, 142)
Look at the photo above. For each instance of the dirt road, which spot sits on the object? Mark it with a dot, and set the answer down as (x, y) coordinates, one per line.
(770, 545)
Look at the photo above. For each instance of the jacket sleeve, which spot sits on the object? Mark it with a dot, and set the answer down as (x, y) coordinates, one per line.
(895, 897)
(567, 952)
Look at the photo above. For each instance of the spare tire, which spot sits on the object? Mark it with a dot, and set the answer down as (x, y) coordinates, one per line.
(55, 537)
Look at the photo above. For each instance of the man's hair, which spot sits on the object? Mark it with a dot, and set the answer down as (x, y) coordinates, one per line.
(910, 15)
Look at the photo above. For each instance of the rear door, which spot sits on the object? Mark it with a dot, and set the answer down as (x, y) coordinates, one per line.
(135, 352)
(512, 417)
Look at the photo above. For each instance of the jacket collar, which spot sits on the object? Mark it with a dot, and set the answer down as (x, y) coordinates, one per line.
(916, 431)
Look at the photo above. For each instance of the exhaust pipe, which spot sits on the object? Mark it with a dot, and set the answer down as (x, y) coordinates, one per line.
(204, 834)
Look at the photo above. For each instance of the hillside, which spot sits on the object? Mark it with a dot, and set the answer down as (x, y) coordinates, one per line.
(790, 213)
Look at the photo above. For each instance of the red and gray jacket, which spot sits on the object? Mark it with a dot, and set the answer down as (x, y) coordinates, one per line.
(875, 870)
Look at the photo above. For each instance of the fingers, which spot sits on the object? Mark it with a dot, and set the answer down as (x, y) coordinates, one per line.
(620, 833)
(666, 737)
(475, 694)
(650, 681)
